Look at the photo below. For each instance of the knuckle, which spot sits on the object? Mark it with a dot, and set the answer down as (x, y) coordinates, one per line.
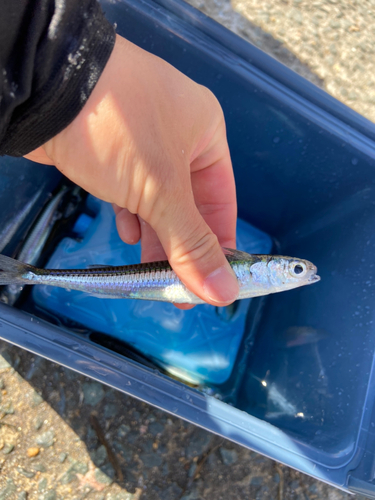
(194, 250)
(211, 100)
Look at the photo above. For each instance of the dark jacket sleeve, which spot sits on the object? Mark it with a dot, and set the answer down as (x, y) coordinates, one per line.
(52, 53)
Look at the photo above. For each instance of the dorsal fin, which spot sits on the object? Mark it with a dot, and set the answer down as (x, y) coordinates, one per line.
(235, 254)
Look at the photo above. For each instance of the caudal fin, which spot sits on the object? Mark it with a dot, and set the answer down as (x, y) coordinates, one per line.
(12, 271)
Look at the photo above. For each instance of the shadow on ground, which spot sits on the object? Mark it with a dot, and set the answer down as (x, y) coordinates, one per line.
(66, 436)
(235, 22)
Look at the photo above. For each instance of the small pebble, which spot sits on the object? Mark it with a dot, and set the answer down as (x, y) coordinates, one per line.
(123, 450)
(162, 449)
(46, 439)
(122, 431)
(39, 467)
(91, 434)
(172, 492)
(132, 437)
(313, 489)
(42, 485)
(27, 473)
(80, 467)
(62, 457)
(110, 410)
(100, 456)
(38, 422)
(151, 459)
(155, 428)
(8, 448)
(263, 493)
(192, 495)
(228, 457)
(108, 470)
(123, 495)
(212, 461)
(50, 495)
(36, 399)
(33, 452)
(119, 496)
(198, 443)
(93, 393)
(256, 481)
(147, 446)
(101, 477)
(7, 409)
(8, 490)
(68, 477)
(136, 415)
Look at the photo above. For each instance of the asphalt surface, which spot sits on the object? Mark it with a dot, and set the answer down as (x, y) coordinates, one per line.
(330, 42)
(63, 436)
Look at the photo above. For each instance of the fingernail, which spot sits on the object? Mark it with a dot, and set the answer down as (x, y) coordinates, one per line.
(221, 286)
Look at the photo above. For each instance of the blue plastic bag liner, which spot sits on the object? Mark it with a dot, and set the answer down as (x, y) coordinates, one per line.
(199, 345)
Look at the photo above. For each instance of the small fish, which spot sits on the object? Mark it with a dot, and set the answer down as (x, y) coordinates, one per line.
(34, 244)
(12, 227)
(35, 241)
(257, 275)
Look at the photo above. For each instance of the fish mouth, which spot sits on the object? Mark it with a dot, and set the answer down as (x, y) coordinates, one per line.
(314, 278)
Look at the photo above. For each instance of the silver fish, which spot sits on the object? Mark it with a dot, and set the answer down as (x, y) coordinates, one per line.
(34, 244)
(257, 275)
(12, 227)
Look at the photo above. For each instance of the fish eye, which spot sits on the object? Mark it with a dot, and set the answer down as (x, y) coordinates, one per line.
(297, 269)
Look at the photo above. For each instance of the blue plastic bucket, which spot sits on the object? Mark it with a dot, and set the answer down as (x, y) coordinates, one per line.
(301, 387)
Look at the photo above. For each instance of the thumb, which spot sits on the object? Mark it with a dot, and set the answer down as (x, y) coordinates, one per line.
(195, 255)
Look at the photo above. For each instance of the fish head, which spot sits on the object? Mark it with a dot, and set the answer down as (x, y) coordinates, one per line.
(280, 273)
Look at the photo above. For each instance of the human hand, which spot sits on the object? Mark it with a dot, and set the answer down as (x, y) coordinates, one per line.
(153, 143)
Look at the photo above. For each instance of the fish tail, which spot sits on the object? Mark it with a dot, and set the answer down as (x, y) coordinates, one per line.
(12, 271)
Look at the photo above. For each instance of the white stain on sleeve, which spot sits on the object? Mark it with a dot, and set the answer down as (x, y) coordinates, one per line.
(56, 18)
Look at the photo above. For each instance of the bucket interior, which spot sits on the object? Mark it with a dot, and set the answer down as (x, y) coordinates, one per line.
(306, 182)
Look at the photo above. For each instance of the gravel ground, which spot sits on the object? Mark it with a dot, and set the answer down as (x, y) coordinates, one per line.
(63, 436)
(331, 42)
